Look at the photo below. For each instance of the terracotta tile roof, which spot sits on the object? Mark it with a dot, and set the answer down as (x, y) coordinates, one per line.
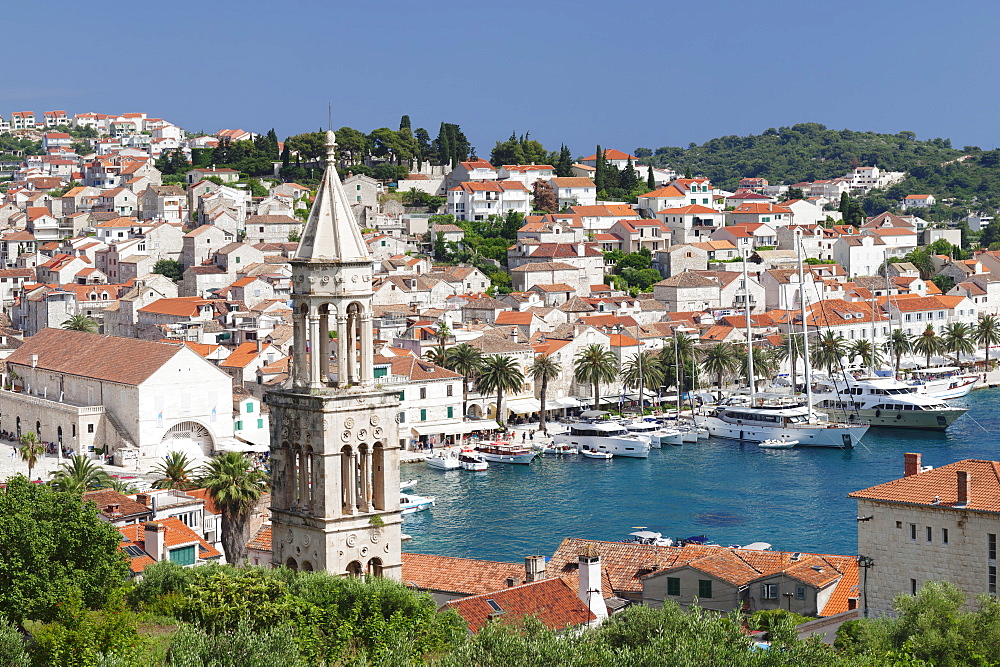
(757, 208)
(605, 211)
(261, 541)
(688, 279)
(717, 333)
(419, 369)
(532, 267)
(922, 488)
(182, 306)
(552, 601)
(462, 576)
(573, 182)
(667, 192)
(94, 356)
(203, 494)
(513, 317)
(612, 154)
(176, 534)
(243, 355)
(106, 498)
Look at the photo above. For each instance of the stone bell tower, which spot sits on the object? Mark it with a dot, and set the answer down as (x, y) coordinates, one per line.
(334, 435)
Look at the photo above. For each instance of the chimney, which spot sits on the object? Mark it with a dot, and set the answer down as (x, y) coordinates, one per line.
(911, 464)
(581, 250)
(142, 499)
(534, 568)
(590, 584)
(513, 334)
(34, 361)
(156, 534)
(964, 484)
(511, 582)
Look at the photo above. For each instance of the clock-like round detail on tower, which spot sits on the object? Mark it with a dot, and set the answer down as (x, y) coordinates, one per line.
(364, 551)
(306, 540)
(352, 540)
(354, 279)
(345, 436)
(349, 422)
(290, 536)
(374, 420)
(325, 279)
(326, 425)
(362, 434)
(377, 432)
(376, 536)
(397, 418)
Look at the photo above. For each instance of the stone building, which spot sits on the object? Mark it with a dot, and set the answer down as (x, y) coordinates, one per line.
(334, 435)
(930, 525)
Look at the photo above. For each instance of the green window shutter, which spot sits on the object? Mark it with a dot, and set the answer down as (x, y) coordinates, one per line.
(260, 423)
(423, 414)
(450, 412)
(402, 395)
(673, 586)
(249, 407)
(239, 425)
(182, 556)
(705, 589)
(381, 372)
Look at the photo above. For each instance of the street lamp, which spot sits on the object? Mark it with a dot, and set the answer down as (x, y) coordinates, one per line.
(865, 563)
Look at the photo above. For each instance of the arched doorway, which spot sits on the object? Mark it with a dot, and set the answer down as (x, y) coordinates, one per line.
(475, 411)
(189, 438)
(307, 566)
(291, 564)
(375, 567)
(354, 569)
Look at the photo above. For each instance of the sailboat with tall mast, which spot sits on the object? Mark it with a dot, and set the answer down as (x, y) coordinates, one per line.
(758, 419)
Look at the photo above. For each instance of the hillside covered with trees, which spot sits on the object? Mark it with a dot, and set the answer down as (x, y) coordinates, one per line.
(802, 152)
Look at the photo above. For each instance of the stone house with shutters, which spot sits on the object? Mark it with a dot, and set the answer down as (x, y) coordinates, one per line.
(932, 524)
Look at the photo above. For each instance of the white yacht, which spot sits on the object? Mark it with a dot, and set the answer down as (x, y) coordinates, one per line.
(443, 461)
(643, 429)
(884, 401)
(504, 452)
(762, 421)
(604, 437)
(411, 504)
(944, 382)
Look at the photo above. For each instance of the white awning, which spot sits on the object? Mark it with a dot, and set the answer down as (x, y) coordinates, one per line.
(240, 445)
(456, 428)
(567, 402)
(523, 406)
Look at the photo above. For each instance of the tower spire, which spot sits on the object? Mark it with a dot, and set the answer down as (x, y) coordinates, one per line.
(331, 233)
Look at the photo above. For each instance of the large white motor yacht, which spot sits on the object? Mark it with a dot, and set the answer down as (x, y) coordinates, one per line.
(944, 382)
(762, 421)
(883, 401)
(604, 437)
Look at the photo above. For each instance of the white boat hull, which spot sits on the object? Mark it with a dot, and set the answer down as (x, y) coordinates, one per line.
(630, 447)
(844, 437)
(443, 463)
(949, 388)
(522, 459)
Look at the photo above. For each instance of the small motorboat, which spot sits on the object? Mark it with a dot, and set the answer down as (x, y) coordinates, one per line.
(594, 454)
(689, 435)
(410, 504)
(444, 461)
(557, 450)
(408, 484)
(672, 436)
(643, 536)
(469, 460)
(777, 444)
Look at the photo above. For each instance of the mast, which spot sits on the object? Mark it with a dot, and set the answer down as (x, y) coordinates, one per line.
(639, 358)
(677, 375)
(888, 310)
(746, 309)
(805, 326)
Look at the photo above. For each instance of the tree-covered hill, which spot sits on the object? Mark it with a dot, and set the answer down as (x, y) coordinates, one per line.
(802, 152)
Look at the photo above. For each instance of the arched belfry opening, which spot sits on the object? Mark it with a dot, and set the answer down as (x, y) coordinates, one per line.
(335, 438)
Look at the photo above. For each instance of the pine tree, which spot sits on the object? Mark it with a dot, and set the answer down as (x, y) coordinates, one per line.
(564, 165)
(404, 122)
(285, 157)
(629, 179)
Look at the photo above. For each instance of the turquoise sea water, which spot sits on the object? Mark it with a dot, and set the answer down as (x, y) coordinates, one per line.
(734, 493)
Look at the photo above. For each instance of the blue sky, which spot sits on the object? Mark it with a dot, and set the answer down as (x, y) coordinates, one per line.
(619, 74)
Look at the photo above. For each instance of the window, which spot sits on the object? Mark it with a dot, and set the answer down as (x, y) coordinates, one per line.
(402, 396)
(705, 589)
(423, 393)
(991, 546)
(402, 417)
(250, 406)
(930, 532)
(944, 536)
(451, 412)
(769, 591)
(673, 586)
(448, 390)
(423, 414)
(239, 425)
(260, 423)
(90, 428)
(183, 556)
(800, 592)
(913, 586)
(913, 531)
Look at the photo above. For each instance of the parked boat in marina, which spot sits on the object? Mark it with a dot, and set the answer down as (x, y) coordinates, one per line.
(778, 444)
(782, 422)
(884, 401)
(443, 461)
(410, 504)
(594, 454)
(470, 460)
(505, 452)
(604, 437)
(943, 382)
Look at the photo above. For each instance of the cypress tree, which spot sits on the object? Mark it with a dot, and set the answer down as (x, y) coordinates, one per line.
(628, 179)
(404, 122)
(599, 169)
(650, 179)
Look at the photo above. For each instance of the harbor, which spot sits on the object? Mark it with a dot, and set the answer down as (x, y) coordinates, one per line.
(734, 492)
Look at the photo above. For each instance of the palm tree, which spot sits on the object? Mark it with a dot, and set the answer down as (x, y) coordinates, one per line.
(791, 350)
(437, 355)
(174, 471)
(466, 360)
(80, 323)
(870, 353)
(594, 365)
(827, 351)
(647, 365)
(987, 333)
(80, 474)
(898, 344)
(721, 361)
(958, 338)
(32, 449)
(500, 374)
(928, 344)
(543, 369)
(121, 486)
(765, 364)
(236, 489)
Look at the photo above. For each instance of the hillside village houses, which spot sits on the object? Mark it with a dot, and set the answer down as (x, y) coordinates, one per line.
(92, 250)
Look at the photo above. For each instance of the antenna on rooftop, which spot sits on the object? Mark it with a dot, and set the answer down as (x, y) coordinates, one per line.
(329, 116)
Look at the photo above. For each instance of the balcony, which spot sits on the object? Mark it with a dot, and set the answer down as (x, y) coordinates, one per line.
(70, 407)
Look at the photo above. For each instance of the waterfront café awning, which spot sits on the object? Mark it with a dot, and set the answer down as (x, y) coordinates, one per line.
(523, 406)
(456, 428)
(566, 402)
(238, 444)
